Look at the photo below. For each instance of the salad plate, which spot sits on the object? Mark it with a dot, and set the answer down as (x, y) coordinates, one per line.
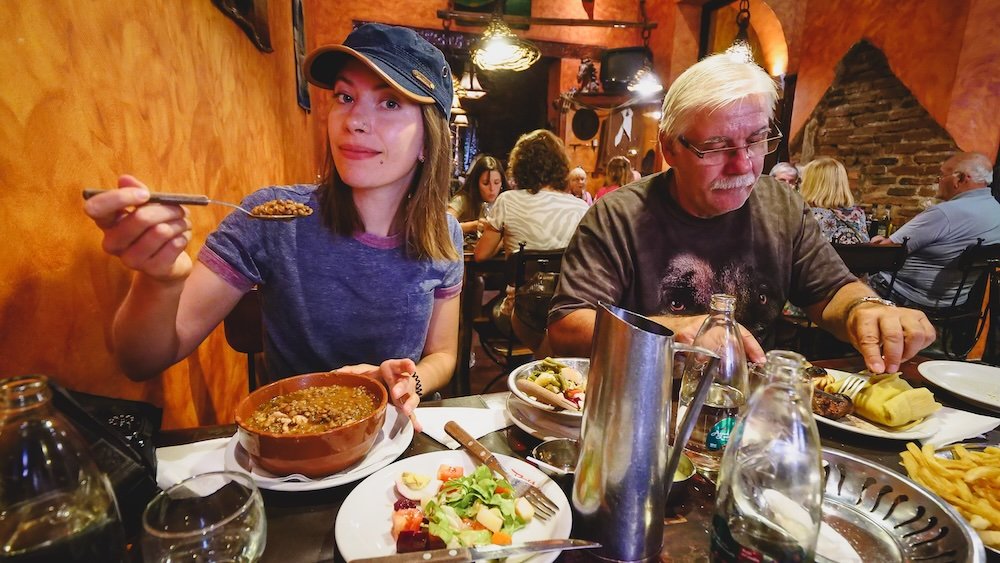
(853, 423)
(364, 521)
(976, 383)
(537, 423)
(383, 452)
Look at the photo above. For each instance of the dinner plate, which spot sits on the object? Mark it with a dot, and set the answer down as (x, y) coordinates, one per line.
(364, 521)
(976, 383)
(384, 451)
(537, 424)
(858, 425)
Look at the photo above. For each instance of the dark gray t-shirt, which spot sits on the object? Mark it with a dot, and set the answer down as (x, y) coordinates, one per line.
(329, 300)
(638, 249)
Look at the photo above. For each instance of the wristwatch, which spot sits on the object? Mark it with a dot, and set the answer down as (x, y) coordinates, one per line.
(868, 299)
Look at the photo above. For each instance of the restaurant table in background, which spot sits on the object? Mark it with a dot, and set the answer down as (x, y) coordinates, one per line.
(301, 524)
(472, 306)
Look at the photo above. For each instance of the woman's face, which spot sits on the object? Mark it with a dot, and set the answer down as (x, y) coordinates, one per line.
(576, 183)
(376, 134)
(490, 185)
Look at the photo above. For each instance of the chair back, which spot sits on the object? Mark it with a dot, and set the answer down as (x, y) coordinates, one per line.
(961, 325)
(862, 259)
(244, 328)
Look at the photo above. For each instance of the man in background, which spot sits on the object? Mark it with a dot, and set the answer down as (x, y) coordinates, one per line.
(938, 235)
(787, 174)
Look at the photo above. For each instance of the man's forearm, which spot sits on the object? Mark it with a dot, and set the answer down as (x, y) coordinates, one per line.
(832, 315)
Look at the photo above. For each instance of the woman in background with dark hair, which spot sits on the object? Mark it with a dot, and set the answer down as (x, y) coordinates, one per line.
(483, 183)
(368, 284)
(617, 174)
(540, 213)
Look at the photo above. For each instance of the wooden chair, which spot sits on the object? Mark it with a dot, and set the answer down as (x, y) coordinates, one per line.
(501, 344)
(244, 327)
(867, 259)
(961, 325)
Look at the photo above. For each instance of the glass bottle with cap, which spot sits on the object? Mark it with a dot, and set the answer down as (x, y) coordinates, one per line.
(720, 334)
(769, 500)
(55, 504)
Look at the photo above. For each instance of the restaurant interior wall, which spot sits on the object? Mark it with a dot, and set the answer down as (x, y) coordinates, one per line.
(172, 92)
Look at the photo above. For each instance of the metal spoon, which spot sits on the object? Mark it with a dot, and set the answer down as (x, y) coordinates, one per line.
(183, 199)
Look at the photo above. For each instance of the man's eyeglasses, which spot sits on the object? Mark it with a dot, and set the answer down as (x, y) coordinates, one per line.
(712, 157)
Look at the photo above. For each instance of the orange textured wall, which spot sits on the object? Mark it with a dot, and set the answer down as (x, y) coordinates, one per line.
(944, 51)
(173, 92)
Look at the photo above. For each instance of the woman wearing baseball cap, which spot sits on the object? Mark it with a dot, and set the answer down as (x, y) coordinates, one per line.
(368, 284)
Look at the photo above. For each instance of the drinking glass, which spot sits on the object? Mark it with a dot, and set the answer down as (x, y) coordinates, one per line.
(217, 517)
(484, 212)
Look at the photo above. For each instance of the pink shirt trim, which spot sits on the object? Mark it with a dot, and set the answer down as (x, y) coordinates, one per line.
(222, 269)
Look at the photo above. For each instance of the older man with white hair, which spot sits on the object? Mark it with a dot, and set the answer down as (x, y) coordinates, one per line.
(787, 174)
(938, 235)
(712, 224)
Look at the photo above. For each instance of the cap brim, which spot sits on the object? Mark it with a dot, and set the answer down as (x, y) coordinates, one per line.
(322, 65)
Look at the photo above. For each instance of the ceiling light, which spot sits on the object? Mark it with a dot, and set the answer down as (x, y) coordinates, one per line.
(741, 44)
(500, 49)
(645, 83)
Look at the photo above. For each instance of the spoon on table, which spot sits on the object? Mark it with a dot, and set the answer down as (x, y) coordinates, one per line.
(184, 199)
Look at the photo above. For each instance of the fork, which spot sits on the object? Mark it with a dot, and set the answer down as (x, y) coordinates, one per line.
(544, 507)
(851, 385)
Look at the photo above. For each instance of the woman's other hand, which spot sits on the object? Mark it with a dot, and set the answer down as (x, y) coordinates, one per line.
(147, 238)
(397, 375)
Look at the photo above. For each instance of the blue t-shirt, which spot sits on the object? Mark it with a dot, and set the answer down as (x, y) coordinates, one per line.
(329, 300)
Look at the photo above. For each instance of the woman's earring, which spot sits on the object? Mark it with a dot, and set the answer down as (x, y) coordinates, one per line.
(421, 157)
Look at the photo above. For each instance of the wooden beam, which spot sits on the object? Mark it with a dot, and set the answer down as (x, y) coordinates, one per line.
(479, 18)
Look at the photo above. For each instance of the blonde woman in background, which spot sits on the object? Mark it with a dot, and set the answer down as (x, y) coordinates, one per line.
(617, 174)
(827, 191)
(577, 182)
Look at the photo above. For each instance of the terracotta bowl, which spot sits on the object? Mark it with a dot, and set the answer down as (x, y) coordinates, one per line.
(317, 454)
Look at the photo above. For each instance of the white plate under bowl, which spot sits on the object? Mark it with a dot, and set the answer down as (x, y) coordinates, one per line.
(537, 423)
(389, 444)
(979, 384)
(563, 416)
(858, 425)
(364, 521)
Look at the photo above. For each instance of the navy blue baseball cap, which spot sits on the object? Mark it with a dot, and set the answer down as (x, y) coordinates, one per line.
(406, 61)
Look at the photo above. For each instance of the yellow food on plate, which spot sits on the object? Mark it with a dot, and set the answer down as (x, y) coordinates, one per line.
(970, 483)
(892, 402)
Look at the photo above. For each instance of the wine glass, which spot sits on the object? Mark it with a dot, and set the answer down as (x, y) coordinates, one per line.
(216, 517)
(484, 212)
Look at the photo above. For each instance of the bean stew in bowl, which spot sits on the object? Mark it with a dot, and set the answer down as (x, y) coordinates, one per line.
(314, 424)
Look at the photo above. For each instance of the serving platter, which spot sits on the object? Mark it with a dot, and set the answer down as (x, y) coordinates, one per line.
(887, 517)
(364, 521)
(537, 424)
(563, 416)
(857, 425)
(976, 383)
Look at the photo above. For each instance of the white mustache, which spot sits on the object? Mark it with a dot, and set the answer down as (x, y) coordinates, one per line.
(734, 182)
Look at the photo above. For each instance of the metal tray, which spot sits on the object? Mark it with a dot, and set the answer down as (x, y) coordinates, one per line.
(887, 517)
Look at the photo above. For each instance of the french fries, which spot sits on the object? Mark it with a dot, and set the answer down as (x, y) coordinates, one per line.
(970, 483)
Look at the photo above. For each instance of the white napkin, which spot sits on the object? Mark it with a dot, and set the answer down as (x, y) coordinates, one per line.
(477, 422)
(790, 515)
(957, 425)
(176, 463)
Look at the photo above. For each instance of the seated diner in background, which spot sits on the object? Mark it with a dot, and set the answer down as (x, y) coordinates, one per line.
(827, 191)
(968, 212)
(540, 213)
(484, 182)
(711, 223)
(368, 284)
(786, 173)
(617, 173)
(577, 181)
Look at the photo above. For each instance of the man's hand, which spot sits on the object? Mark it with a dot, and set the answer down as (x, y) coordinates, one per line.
(686, 329)
(887, 336)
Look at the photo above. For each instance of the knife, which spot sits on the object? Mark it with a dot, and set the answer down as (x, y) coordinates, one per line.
(481, 553)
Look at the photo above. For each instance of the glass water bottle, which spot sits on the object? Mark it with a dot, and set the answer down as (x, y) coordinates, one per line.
(55, 504)
(769, 499)
(720, 334)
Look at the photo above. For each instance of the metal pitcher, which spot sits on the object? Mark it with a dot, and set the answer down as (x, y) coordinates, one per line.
(620, 484)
